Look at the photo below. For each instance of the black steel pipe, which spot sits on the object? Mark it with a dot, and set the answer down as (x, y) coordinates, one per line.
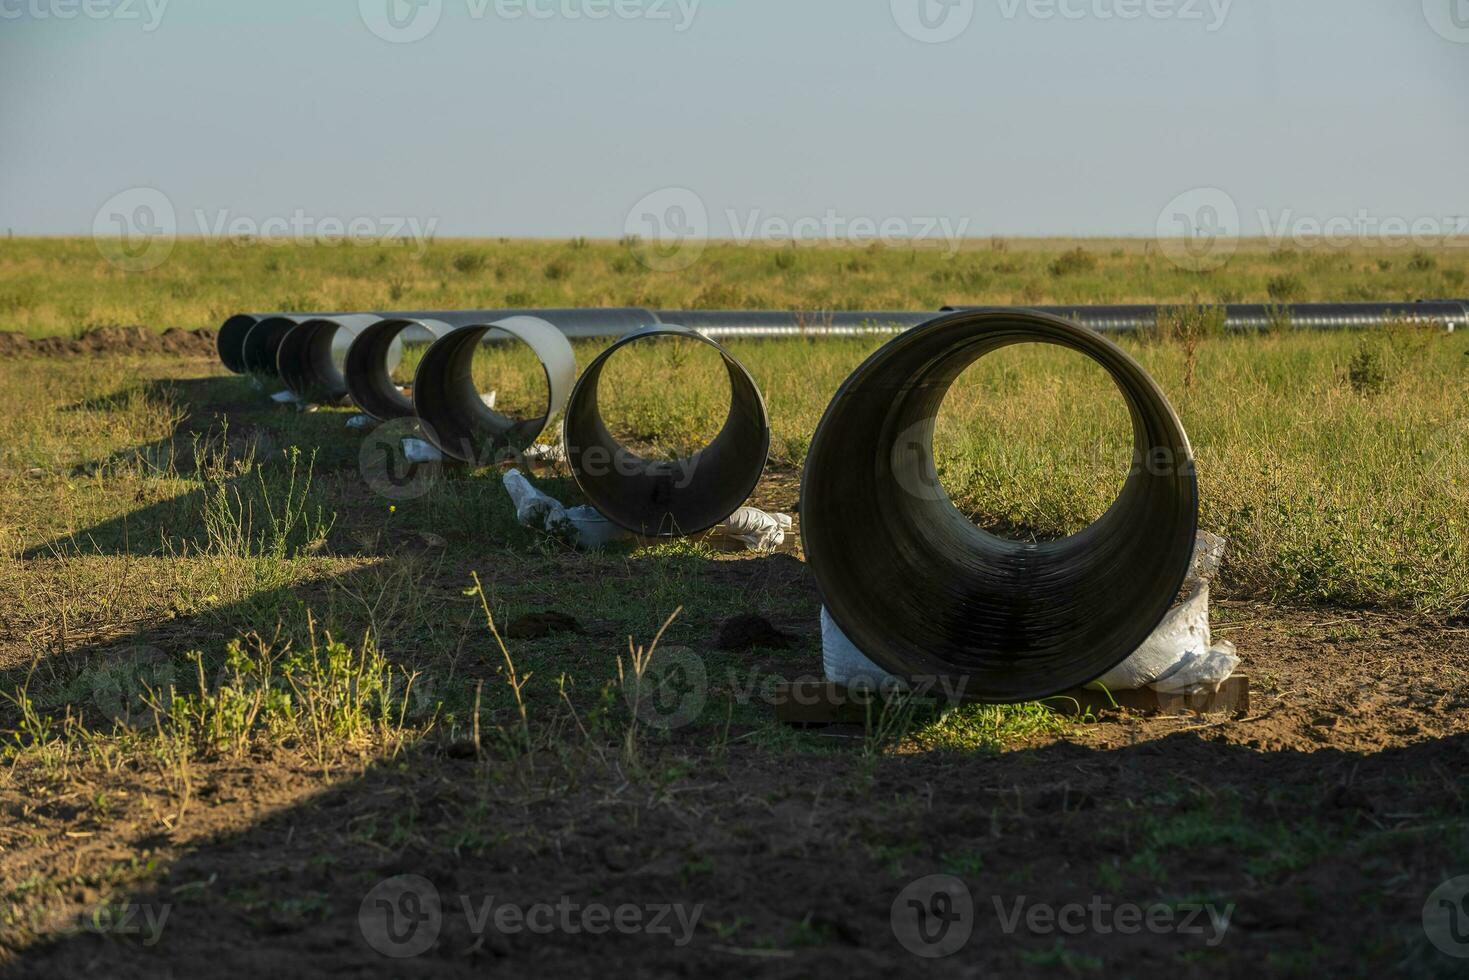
(929, 596)
(452, 410)
(1450, 314)
(662, 498)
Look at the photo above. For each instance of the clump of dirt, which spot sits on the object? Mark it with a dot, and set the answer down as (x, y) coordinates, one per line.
(745, 632)
(111, 340)
(536, 626)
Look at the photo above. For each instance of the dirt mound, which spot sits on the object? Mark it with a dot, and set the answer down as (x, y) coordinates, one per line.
(111, 340)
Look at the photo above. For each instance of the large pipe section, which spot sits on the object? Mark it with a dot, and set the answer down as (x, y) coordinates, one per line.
(454, 414)
(931, 597)
(663, 498)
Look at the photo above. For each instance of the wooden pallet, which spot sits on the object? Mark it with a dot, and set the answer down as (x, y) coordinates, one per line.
(819, 703)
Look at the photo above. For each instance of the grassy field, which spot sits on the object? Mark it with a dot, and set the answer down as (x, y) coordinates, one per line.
(63, 286)
(239, 685)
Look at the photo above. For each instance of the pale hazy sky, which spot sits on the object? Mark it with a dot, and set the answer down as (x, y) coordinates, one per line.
(558, 117)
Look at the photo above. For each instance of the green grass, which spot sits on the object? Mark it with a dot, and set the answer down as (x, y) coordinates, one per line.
(64, 286)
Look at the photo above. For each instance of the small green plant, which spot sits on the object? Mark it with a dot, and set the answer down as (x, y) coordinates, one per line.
(1422, 262)
(1075, 261)
(1285, 288)
(1366, 372)
(469, 263)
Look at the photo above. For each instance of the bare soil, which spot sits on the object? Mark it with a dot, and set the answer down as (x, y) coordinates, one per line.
(103, 341)
(1324, 818)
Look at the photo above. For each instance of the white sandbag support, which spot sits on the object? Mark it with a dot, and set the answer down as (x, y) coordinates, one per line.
(582, 526)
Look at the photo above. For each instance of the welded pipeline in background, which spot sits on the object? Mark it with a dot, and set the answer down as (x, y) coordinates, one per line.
(667, 498)
(611, 323)
(929, 596)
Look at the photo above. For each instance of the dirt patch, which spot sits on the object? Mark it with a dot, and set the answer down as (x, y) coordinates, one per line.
(111, 340)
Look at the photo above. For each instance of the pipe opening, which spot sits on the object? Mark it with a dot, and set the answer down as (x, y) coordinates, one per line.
(648, 493)
(1033, 442)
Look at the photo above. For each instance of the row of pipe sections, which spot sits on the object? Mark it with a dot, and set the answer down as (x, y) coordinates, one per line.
(904, 574)
(326, 358)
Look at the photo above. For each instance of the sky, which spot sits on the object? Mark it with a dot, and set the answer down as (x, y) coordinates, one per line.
(733, 118)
